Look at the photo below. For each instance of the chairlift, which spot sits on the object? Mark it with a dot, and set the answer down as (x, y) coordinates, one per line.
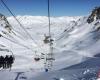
(46, 40)
(6, 56)
(37, 58)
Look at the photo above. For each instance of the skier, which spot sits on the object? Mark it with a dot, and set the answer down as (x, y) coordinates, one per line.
(46, 70)
(6, 62)
(10, 61)
(2, 61)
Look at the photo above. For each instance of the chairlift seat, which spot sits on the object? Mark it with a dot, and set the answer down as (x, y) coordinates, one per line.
(36, 59)
(46, 41)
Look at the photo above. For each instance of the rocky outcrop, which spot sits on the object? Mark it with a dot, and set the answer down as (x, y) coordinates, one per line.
(4, 23)
(95, 15)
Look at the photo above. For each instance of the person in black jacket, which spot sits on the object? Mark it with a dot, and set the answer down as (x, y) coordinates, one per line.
(6, 62)
(10, 61)
(2, 62)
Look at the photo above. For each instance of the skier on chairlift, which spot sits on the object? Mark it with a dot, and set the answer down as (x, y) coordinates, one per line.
(10, 61)
(6, 61)
(2, 61)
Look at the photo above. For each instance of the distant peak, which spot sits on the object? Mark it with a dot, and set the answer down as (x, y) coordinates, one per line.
(2, 16)
(4, 23)
(95, 15)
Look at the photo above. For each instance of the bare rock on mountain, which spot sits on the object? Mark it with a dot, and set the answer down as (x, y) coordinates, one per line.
(95, 15)
(4, 23)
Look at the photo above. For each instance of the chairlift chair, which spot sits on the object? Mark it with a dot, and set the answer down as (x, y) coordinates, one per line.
(4, 53)
(37, 58)
(46, 40)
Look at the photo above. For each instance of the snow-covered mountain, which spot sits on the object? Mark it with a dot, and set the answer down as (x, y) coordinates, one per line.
(76, 40)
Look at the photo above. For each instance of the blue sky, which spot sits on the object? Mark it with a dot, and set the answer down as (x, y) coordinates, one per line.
(57, 7)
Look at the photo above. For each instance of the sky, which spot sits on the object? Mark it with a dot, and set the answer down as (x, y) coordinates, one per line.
(57, 7)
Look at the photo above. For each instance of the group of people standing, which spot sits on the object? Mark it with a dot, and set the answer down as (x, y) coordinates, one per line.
(6, 62)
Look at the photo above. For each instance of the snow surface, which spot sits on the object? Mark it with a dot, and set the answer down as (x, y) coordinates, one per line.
(74, 42)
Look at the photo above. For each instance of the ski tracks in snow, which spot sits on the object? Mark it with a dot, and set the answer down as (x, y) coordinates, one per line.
(20, 76)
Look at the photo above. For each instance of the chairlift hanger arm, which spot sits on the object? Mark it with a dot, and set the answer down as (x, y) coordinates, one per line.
(17, 20)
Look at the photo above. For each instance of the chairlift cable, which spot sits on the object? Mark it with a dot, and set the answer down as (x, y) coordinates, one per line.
(49, 18)
(15, 18)
(16, 42)
(18, 21)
